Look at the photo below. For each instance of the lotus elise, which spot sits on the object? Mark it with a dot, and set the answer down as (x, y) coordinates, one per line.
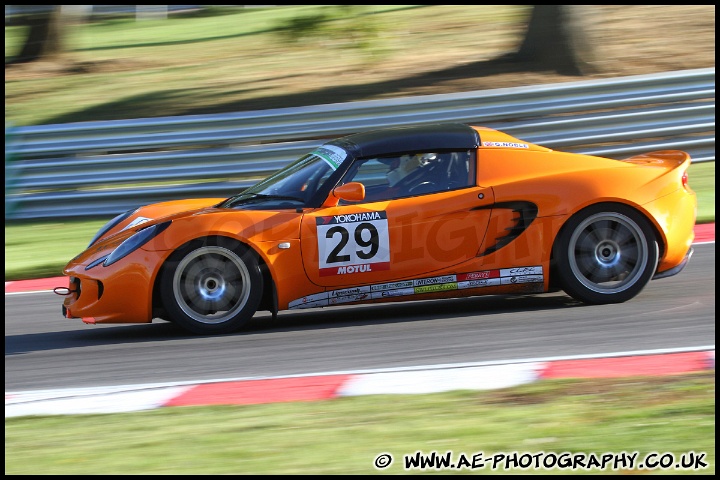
(395, 214)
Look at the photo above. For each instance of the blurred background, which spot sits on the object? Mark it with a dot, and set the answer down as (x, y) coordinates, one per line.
(108, 107)
(106, 62)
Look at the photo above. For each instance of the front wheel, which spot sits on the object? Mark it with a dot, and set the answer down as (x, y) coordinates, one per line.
(212, 287)
(606, 254)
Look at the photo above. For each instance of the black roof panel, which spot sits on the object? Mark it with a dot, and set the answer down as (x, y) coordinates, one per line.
(438, 136)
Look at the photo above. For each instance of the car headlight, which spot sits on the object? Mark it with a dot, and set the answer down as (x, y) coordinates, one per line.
(136, 241)
(110, 225)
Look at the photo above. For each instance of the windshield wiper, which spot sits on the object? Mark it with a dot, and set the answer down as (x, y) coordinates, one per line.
(261, 197)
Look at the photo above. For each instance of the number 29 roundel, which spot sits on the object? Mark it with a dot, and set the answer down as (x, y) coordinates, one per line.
(353, 243)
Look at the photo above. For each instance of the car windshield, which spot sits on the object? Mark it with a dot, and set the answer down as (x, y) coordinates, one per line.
(294, 185)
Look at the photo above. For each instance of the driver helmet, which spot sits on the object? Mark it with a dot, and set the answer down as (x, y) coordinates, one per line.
(405, 165)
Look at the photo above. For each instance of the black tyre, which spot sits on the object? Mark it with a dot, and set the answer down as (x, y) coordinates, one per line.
(212, 287)
(606, 253)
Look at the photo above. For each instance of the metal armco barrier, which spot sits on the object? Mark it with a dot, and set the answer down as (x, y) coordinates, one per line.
(103, 168)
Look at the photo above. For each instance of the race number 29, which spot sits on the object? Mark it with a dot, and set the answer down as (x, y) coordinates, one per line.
(353, 243)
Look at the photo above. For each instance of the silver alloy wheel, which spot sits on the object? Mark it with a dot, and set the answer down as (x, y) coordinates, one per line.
(608, 252)
(211, 284)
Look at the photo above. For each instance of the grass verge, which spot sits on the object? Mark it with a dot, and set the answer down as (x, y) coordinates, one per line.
(674, 414)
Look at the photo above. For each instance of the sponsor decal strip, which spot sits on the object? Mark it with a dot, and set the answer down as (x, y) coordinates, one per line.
(505, 144)
(331, 154)
(461, 281)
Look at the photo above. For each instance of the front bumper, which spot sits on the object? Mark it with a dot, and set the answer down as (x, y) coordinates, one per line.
(120, 293)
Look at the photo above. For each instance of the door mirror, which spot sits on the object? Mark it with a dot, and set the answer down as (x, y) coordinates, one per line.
(350, 192)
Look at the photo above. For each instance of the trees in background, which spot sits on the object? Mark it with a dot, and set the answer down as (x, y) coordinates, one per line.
(558, 38)
(45, 32)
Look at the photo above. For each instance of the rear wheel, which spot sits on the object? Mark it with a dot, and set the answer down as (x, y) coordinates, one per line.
(212, 287)
(606, 254)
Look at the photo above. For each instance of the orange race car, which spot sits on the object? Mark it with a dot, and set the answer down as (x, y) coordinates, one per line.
(396, 214)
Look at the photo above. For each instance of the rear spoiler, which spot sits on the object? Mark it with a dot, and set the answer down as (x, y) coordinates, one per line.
(670, 159)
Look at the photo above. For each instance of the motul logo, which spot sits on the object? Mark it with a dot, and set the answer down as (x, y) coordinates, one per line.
(354, 269)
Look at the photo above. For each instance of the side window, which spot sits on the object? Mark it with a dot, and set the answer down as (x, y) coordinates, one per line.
(461, 170)
(413, 174)
(373, 174)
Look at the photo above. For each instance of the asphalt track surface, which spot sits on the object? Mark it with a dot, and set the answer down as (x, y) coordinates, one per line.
(43, 350)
